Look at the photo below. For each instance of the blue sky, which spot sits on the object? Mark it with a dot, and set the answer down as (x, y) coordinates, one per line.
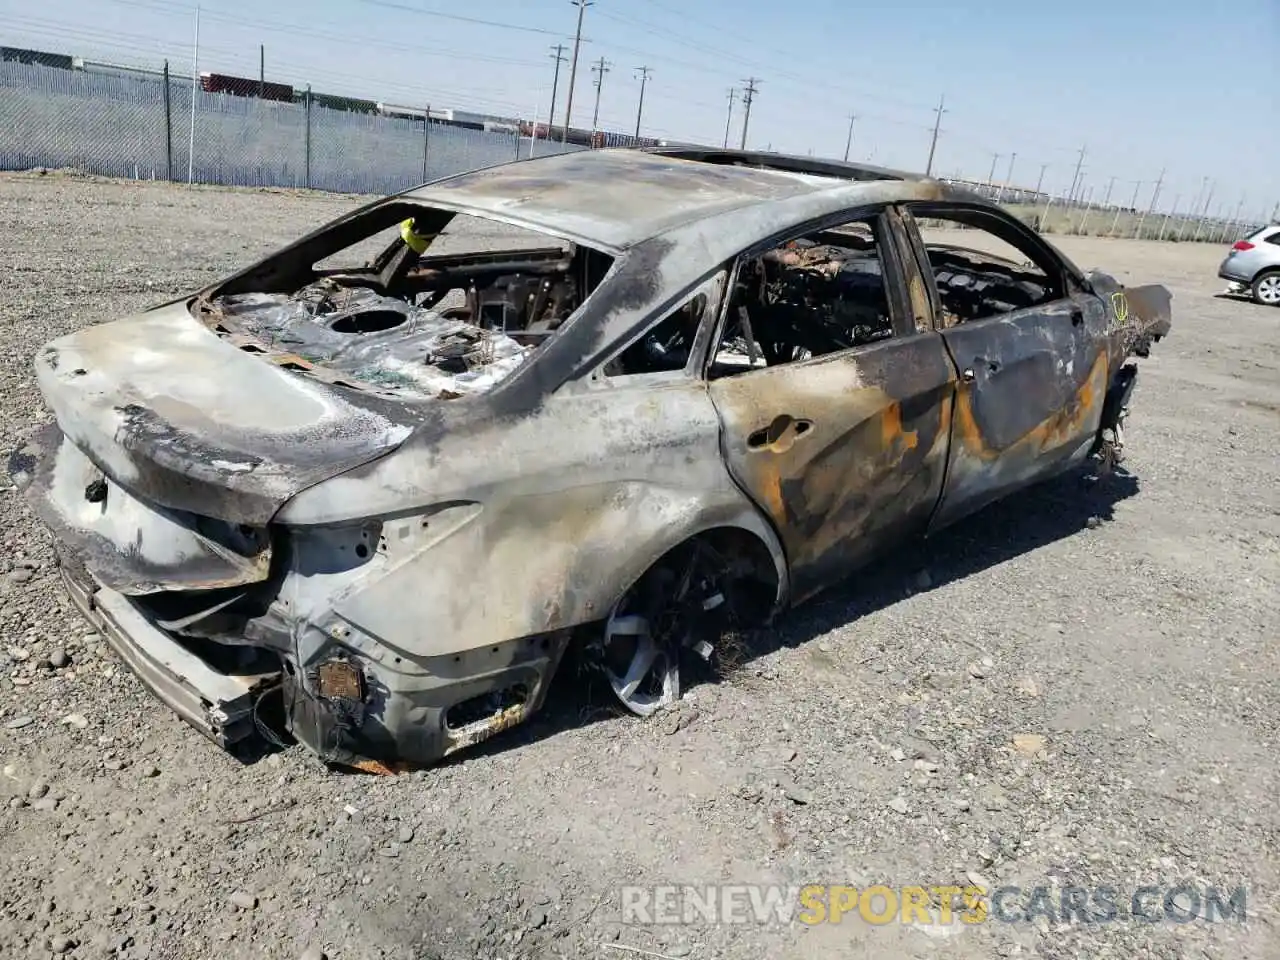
(1183, 85)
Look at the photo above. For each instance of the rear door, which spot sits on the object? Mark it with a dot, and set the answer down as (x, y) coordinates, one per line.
(1029, 343)
(833, 393)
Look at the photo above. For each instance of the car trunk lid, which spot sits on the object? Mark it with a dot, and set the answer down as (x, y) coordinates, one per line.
(186, 420)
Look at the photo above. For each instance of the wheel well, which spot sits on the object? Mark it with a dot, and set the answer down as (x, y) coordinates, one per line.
(746, 547)
(749, 560)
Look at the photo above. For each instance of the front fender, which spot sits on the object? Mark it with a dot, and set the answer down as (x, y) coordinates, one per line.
(534, 565)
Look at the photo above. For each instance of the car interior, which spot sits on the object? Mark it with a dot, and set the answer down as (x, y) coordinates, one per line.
(809, 297)
(985, 275)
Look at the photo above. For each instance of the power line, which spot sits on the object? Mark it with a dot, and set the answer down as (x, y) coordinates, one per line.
(404, 7)
(797, 80)
(55, 28)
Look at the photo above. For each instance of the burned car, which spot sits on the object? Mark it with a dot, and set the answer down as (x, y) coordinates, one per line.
(386, 497)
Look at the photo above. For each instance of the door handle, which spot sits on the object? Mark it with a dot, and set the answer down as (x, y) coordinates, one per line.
(779, 435)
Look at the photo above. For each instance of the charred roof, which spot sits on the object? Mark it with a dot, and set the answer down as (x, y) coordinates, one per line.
(616, 198)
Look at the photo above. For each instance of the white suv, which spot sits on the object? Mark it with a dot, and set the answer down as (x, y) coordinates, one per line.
(1253, 264)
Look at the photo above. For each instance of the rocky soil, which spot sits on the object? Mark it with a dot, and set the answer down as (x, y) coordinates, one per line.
(1076, 687)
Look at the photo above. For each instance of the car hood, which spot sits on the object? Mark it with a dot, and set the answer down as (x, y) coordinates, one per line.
(186, 420)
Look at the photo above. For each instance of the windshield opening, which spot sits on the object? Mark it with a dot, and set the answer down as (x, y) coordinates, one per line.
(409, 301)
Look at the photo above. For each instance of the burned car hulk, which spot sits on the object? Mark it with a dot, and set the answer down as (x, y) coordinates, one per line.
(385, 498)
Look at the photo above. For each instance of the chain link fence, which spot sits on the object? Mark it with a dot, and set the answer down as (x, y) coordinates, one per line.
(143, 127)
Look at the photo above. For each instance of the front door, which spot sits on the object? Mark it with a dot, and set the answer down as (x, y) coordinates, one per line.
(834, 408)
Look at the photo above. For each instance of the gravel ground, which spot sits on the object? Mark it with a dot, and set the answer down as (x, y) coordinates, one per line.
(1078, 687)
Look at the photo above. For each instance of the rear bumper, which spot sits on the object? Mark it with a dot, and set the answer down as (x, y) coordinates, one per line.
(219, 705)
(1228, 270)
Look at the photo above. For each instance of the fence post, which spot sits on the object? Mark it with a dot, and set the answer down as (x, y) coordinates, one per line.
(307, 112)
(517, 141)
(426, 139)
(168, 127)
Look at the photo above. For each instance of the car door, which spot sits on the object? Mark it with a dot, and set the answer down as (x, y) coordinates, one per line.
(842, 444)
(1029, 342)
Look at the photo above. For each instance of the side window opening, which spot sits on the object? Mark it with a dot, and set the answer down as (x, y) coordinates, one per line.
(813, 295)
(668, 345)
(980, 274)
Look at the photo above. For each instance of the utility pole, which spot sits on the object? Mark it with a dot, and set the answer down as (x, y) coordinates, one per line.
(1177, 197)
(848, 143)
(733, 95)
(991, 177)
(1207, 200)
(1155, 195)
(1235, 219)
(1040, 181)
(557, 55)
(195, 85)
(599, 69)
(262, 71)
(748, 95)
(573, 69)
(1106, 201)
(1115, 222)
(1088, 209)
(644, 79)
(1008, 177)
(1195, 205)
(1076, 177)
(933, 142)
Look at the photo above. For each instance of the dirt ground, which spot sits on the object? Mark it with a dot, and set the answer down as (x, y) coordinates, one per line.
(883, 734)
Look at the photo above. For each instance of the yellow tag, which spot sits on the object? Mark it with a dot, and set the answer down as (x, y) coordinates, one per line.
(417, 242)
(1120, 303)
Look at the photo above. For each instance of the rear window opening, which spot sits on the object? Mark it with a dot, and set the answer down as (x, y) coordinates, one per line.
(410, 301)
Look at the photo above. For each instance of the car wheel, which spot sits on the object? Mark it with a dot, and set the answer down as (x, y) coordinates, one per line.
(1266, 288)
(677, 605)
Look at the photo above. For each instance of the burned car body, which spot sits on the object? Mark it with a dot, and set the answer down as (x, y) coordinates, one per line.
(391, 496)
